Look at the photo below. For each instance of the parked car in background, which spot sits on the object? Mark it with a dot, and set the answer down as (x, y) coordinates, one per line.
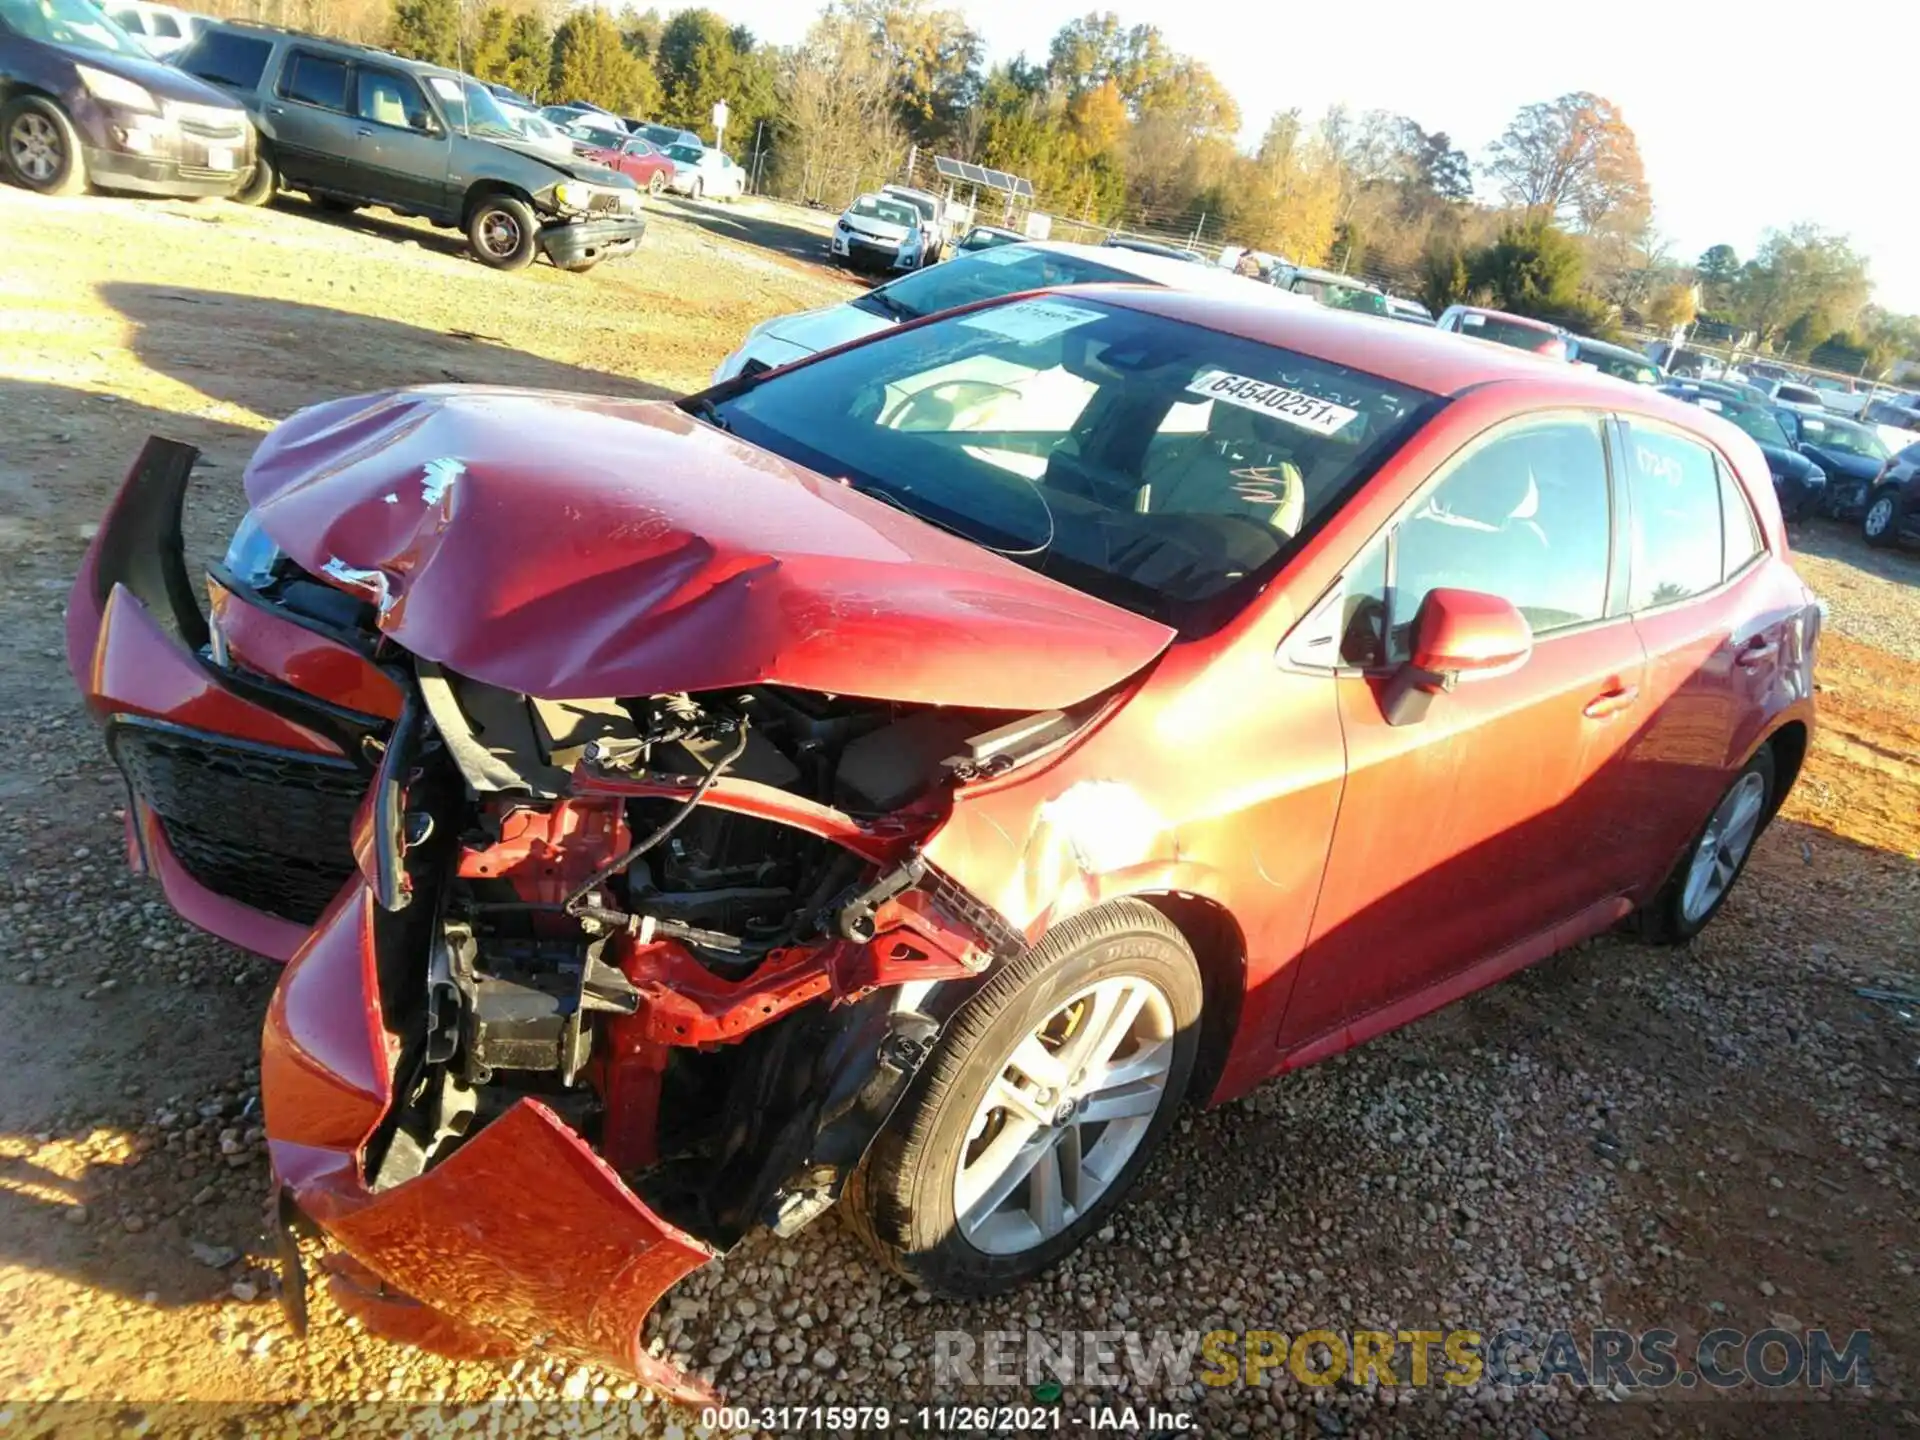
(933, 218)
(1895, 417)
(164, 30)
(992, 676)
(879, 232)
(1798, 482)
(1330, 288)
(1891, 515)
(1411, 311)
(587, 132)
(565, 115)
(1843, 397)
(538, 132)
(661, 136)
(966, 279)
(1682, 363)
(986, 237)
(703, 174)
(1154, 247)
(637, 159)
(1520, 332)
(510, 96)
(1852, 454)
(1794, 396)
(83, 103)
(1614, 360)
(350, 127)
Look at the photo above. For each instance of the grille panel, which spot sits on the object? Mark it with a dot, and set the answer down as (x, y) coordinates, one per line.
(269, 828)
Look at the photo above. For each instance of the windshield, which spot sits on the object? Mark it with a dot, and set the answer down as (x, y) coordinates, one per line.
(1843, 437)
(1621, 367)
(921, 205)
(1160, 466)
(1505, 332)
(1758, 423)
(471, 107)
(69, 22)
(686, 154)
(892, 212)
(590, 133)
(985, 275)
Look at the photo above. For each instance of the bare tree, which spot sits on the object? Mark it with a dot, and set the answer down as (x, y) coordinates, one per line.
(1572, 161)
(842, 130)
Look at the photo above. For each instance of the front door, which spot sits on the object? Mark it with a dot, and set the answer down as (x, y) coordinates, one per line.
(400, 144)
(1487, 822)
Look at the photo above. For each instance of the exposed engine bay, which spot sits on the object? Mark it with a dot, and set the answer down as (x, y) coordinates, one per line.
(680, 921)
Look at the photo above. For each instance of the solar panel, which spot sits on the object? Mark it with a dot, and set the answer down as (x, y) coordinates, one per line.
(966, 170)
(950, 168)
(999, 180)
(1022, 186)
(974, 173)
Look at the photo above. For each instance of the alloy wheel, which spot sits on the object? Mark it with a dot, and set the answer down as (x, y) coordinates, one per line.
(1729, 835)
(1878, 517)
(1069, 1106)
(500, 233)
(35, 148)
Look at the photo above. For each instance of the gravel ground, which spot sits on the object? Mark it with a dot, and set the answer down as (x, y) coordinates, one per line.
(1719, 1135)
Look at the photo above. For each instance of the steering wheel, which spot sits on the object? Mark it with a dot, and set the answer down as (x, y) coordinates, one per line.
(943, 403)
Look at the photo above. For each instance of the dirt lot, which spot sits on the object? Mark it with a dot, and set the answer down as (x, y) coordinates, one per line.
(1723, 1135)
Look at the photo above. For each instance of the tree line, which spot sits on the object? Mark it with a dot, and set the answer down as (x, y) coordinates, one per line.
(1117, 129)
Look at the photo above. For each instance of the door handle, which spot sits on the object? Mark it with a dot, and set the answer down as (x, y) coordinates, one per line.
(1611, 702)
(1758, 651)
(276, 109)
(364, 131)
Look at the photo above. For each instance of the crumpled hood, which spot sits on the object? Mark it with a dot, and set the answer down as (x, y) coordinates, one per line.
(572, 546)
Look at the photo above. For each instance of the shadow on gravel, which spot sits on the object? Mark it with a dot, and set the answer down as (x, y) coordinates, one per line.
(276, 356)
(783, 237)
(1842, 541)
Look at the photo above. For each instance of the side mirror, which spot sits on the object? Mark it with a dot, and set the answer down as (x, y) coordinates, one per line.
(1457, 634)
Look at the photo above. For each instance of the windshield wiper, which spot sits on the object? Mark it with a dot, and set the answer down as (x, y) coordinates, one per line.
(707, 410)
(889, 306)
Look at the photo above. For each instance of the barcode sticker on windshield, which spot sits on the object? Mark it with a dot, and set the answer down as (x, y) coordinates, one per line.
(443, 87)
(1296, 407)
(1027, 320)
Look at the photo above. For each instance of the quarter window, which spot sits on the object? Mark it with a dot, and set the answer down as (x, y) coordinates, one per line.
(1742, 535)
(1673, 488)
(1524, 514)
(315, 80)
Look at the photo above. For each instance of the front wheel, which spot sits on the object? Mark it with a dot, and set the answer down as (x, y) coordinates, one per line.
(699, 189)
(656, 182)
(42, 147)
(1700, 883)
(502, 232)
(1878, 525)
(1045, 1097)
(260, 188)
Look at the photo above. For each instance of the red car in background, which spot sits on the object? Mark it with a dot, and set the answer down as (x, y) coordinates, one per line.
(1522, 332)
(638, 158)
(903, 776)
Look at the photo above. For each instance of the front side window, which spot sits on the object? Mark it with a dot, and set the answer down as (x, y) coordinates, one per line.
(1673, 490)
(1523, 514)
(1843, 437)
(1161, 466)
(388, 98)
(166, 27)
(315, 80)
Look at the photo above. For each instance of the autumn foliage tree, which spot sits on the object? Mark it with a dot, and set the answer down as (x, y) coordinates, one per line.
(1572, 161)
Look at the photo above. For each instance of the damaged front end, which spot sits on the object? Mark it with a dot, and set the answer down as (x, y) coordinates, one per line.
(617, 981)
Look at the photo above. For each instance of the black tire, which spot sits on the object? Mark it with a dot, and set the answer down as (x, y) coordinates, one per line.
(1888, 532)
(580, 267)
(699, 189)
(263, 185)
(40, 148)
(502, 232)
(901, 1199)
(1664, 920)
(656, 182)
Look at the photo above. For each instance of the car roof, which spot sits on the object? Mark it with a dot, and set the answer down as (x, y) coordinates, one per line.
(1332, 277)
(1432, 360)
(1141, 264)
(326, 42)
(1507, 315)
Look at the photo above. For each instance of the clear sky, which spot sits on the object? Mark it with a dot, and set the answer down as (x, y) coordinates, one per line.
(1749, 117)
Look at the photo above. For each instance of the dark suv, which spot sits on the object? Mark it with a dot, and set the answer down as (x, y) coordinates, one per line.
(81, 103)
(352, 126)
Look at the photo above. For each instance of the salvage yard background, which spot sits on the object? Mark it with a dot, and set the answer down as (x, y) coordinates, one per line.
(1720, 1135)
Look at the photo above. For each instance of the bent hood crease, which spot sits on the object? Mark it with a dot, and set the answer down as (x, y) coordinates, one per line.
(572, 546)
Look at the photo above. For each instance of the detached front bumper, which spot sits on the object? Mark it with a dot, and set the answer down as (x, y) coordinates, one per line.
(580, 242)
(241, 784)
(522, 1234)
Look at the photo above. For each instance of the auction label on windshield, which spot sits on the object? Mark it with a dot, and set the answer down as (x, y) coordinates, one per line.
(1296, 407)
(1029, 320)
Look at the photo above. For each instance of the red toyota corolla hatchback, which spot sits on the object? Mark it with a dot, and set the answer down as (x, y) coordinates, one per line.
(904, 776)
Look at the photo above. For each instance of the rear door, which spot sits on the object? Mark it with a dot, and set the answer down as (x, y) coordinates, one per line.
(313, 128)
(400, 144)
(1489, 822)
(1717, 644)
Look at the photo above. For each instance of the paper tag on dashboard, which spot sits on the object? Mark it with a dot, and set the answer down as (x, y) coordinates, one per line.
(1296, 407)
(1027, 320)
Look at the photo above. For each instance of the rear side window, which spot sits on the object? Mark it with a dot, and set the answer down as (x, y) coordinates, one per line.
(227, 59)
(315, 80)
(1742, 534)
(1673, 489)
